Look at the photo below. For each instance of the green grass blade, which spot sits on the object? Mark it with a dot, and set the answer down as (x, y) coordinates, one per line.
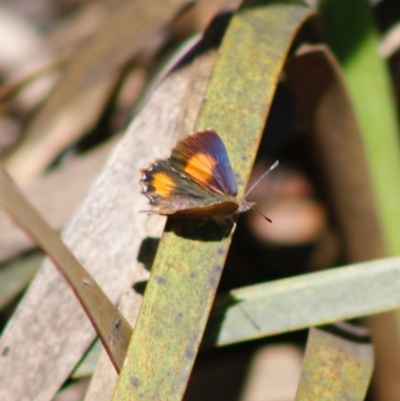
(335, 366)
(304, 301)
(367, 78)
(189, 260)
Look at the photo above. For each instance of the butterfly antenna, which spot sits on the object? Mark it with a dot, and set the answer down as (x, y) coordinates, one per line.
(262, 176)
(263, 215)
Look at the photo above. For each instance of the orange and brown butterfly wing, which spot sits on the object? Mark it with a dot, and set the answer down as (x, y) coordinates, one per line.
(203, 157)
(171, 192)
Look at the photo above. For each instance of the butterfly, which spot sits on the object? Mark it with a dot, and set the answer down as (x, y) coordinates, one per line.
(196, 181)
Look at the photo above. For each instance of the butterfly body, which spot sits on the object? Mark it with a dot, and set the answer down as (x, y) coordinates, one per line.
(196, 181)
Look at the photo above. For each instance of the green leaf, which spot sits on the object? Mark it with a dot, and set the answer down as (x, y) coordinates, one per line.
(304, 301)
(368, 81)
(335, 367)
(190, 256)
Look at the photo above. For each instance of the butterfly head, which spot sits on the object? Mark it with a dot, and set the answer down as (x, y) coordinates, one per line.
(244, 206)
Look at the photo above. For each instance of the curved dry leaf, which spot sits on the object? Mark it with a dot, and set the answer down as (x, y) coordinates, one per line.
(325, 108)
(112, 328)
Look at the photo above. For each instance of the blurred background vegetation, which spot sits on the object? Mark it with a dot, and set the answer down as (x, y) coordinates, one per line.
(75, 74)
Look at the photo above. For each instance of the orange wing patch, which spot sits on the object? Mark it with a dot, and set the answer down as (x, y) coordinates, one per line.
(200, 167)
(163, 184)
